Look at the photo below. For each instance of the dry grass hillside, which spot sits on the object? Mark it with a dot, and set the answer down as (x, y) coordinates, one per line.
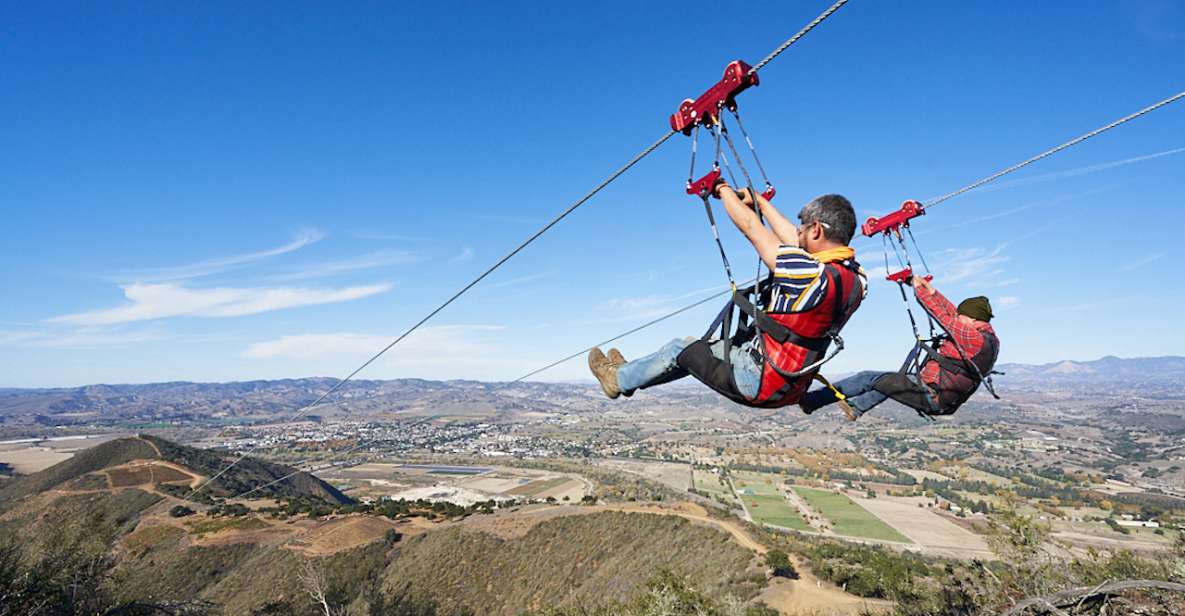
(587, 559)
(245, 475)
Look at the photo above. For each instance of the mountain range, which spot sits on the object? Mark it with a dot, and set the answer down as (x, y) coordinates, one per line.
(180, 402)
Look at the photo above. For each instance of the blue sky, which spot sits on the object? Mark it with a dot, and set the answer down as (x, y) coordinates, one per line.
(230, 193)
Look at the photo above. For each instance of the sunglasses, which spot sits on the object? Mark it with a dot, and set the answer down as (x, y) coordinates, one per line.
(803, 224)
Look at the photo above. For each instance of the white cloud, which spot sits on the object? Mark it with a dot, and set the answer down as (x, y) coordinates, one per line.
(1007, 302)
(159, 301)
(1138, 263)
(1076, 172)
(446, 351)
(205, 268)
(521, 280)
(957, 265)
(382, 258)
(81, 338)
(465, 255)
(388, 237)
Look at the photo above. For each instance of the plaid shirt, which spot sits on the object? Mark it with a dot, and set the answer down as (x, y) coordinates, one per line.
(968, 336)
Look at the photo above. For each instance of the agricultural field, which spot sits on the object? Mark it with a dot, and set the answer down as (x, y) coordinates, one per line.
(974, 474)
(535, 488)
(712, 484)
(676, 476)
(847, 518)
(911, 516)
(28, 456)
(459, 483)
(765, 504)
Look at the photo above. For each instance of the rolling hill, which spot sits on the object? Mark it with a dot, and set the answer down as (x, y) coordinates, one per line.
(203, 463)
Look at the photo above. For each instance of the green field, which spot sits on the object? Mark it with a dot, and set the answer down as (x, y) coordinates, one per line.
(705, 481)
(537, 487)
(760, 494)
(847, 518)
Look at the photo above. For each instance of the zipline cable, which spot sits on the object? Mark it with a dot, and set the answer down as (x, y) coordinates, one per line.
(930, 203)
(794, 39)
(766, 60)
(633, 161)
(1050, 152)
(634, 330)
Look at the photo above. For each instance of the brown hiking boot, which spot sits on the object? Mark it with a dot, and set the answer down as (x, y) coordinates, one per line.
(617, 359)
(605, 371)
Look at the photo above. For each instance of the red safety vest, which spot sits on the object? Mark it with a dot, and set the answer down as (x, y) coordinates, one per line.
(811, 329)
(790, 341)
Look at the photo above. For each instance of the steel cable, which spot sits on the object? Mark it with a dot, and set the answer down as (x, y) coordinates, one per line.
(633, 161)
(930, 203)
(627, 333)
(794, 39)
(775, 53)
(1075, 141)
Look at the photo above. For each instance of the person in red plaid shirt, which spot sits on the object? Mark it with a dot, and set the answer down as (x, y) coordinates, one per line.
(947, 378)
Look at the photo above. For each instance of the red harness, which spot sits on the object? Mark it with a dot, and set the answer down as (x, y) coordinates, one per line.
(793, 347)
(810, 339)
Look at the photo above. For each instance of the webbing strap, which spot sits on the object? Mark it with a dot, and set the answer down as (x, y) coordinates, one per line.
(775, 330)
(839, 395)
(948, 364)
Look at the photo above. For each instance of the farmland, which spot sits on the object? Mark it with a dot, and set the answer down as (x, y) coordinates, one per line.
(847, 518)
(764, 503)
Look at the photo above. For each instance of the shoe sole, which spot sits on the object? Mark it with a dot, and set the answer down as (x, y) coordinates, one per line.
(597, 358)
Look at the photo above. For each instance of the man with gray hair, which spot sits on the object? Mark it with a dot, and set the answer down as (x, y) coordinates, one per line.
(814, 287)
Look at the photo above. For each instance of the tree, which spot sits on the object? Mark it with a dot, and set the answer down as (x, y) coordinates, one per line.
(780, 565)
(313, 579)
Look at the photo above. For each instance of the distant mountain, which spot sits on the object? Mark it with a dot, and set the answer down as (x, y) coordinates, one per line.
(246, 475)
(1161, 371)
(31, 411)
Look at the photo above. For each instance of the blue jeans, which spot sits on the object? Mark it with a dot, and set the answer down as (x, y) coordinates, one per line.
(660, 367)
(856, 388)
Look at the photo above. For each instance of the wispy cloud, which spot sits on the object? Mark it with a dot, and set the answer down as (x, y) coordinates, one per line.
(213, 266)
(521, 280)
(1006, 302)
(465, 255)
(90, 339)
(387, 237)
(158, 301)
(1076, 172)
(382, 258)
(444, 346)
(1138, 263)
(959, 264)
(519, 220)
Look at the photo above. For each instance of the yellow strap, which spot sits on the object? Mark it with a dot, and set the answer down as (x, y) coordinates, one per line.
(838, 394)
(834, 254)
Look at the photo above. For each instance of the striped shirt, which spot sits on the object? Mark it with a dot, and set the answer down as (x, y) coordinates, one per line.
(798, 283)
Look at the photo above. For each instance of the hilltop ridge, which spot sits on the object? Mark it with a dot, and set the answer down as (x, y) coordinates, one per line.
(193, 465)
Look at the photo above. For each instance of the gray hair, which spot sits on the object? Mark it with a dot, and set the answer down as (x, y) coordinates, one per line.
(836, 214)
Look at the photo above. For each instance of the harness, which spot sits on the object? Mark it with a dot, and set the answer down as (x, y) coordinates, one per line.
(793, 345)
(906, 385)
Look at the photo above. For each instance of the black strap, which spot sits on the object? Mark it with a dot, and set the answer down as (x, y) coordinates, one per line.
(950, 365)
(769, 326)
